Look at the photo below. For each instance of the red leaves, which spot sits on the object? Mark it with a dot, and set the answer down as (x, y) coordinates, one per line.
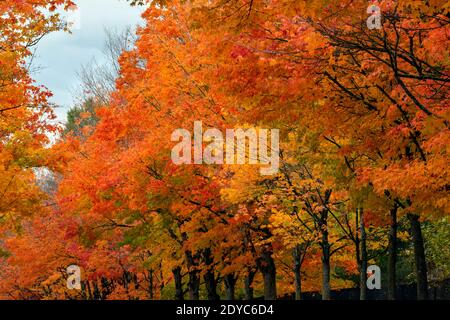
(355, 126)
(239, 52)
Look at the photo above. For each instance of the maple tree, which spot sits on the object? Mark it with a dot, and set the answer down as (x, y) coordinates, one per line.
(25, 114)
(24, 111)
(363, 119)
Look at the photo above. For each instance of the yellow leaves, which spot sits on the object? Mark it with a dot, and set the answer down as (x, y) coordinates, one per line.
(427, 191)
(51, 280)
(403, 236)
(243, 187)
(102, 244)
(377, 245)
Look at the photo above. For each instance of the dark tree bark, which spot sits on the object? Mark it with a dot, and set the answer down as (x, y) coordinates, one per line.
(248, 285)
(194, 285)
(209, 277)
(267, 268)
(419, 257)
(150, 284)
(179, 294)
(230, 283)
(161, 277)
(325, 245)
(363, 262)
(326, 254)
(89, 291)
(392, 254)
(326, 289)
(194, 279)
(211, 287)
(297, 254)
(97, 294)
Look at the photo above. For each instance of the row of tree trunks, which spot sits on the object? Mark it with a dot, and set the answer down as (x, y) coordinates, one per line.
(419, 255)
(230, 281)
(268, 269)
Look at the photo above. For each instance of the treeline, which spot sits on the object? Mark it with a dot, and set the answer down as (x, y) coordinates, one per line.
(363, 177)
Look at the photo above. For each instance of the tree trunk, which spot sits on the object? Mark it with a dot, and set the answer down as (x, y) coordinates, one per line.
(161, 276)
(150, 284)
(392, 255)
(179, 295)
(248, 285)
(326, 290)
(194, 285)
(194, 279)
(88, 290)
(209, 277)
(419, 257)
(230, 282)
(97, 295)
(267, 268)
(211, 287)
(297, 254)
(363, 266)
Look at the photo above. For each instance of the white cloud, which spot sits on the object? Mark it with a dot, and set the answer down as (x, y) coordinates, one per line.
(60, 55)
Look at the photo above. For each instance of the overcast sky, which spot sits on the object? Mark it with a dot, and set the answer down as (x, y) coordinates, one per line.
(59, 55)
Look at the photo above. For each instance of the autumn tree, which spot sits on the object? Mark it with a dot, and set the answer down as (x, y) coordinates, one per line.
(363, 121)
